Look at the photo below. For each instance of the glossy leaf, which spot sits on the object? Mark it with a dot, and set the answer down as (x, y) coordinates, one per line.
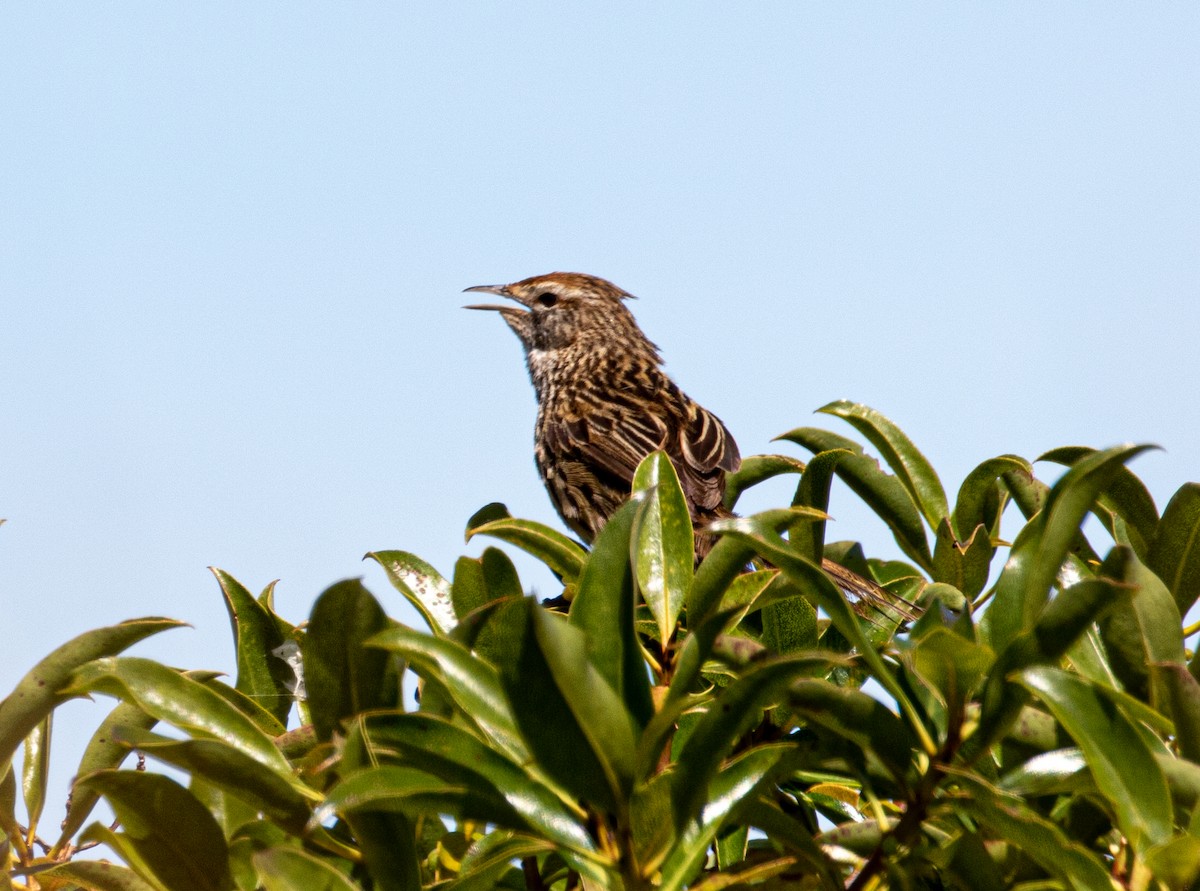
(41, 690)
(603, 611)
(226, 767)
(35, 770)
(813, 581)
(175, 699)
(263, 673)
(979, 488)
(1175, 552)
(813, 491)
(472, 683)
(963, 564)
(291, 869)
(1121, 764)
(439, 747)
(882, 492)
(1126, 497)
(906, 461)
(1143, 631)
(731, 714)
(662, 546)
(1043, 545)
(1064, 621)
(952, 665)
(754, 470)
(422, 586)
(174, 834)
(562, 554)
(342, 676)
(860, 719)
(736, 783)
(559, 738)
(1183, 700)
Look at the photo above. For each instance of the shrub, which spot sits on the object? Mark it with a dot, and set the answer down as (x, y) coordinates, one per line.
(735, 724)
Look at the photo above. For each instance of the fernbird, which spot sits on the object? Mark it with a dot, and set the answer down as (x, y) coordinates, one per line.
(604, 404)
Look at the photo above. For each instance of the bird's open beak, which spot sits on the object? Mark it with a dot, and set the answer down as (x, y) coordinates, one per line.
(499, 290)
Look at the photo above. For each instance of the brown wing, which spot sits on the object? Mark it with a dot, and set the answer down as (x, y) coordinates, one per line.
(707, 451)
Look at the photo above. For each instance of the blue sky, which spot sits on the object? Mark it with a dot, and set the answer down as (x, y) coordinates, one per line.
(235, 235)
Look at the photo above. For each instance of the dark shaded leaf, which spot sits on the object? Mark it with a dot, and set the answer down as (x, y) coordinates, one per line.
(1175, 553)
(603, 610)
(1121, 764)
(173, 834)
(341, 676)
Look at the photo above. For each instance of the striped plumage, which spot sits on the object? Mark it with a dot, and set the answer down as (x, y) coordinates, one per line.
(604, 404)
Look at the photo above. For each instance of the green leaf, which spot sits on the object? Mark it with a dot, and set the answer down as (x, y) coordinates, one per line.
(882, 492)
(422, 586)
(388, 843)
(662, 544)
(180, 701)
(1126, 497)
(102, 752)
(489, 858)
(859, 719)
(1043, 545)
(1066, 618)
(172, 833)
(813, 491)
(1175, 553)
(754, 470)
(438, 747)
(263, 673)
(736, 783)
(730, 714)
(1183, 701)
(561, 741)
(952, 665)
(1010, 819)
(229, 769)
(341, 677)
(603, 610)
(41, 690)
(811, 579)
(1177, 863)
(291, 869)
(1143, 631)
(472, 683)
(562, 554)
(1121, 763)
(36, 768)
(909, 465)
(965, 565)
(978, 490)
(96, 875)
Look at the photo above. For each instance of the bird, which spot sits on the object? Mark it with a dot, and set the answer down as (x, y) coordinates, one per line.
(605, 403)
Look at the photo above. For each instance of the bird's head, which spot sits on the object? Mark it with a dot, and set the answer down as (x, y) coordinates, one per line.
(566, 311)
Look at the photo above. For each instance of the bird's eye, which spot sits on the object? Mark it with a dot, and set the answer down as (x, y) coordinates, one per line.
(547, 299)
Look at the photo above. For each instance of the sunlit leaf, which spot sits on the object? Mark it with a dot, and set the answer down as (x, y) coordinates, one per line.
(422, 586)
